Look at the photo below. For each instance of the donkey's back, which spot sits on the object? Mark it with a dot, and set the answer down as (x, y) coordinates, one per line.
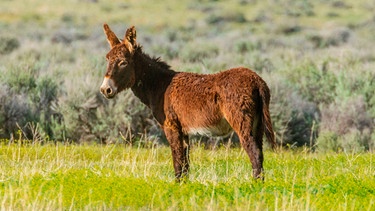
(206, 104)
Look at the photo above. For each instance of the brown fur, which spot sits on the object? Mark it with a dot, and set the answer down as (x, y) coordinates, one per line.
(185, 103)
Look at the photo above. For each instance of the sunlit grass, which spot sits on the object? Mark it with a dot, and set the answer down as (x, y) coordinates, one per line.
(118, 177)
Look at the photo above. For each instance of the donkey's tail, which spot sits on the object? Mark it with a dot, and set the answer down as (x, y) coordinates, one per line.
(264, 93)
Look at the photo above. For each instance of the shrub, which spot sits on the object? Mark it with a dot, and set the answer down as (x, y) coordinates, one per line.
(315, 84)
(68, 35)
(15, 112)
(328, 141)
(363, 85)
(349, 114)
(295, 119)
(324, 85)
(350, 121)
(352, 141)
(244, 46)
(26, 100)
(335, 37)
(298, 8)
(198, 51)
(345, 98)
(95, 119)
(8, 44)
(235, 17)
(167, 52)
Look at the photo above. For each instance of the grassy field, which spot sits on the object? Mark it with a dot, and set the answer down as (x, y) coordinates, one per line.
(62, 177)
(316, 56)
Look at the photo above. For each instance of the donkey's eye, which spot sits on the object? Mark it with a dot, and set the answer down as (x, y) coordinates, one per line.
(122, 63)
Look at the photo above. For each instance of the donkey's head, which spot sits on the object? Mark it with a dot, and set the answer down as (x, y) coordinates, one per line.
(120, 67)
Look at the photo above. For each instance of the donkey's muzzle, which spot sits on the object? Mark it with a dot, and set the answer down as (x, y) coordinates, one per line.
(106, 91)
(107, 88)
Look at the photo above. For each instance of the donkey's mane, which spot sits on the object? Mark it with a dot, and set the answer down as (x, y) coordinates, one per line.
(163, 65)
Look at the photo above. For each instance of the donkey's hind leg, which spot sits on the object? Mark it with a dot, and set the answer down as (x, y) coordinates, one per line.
(254, 147)
(251, 141)
(179, 144)
(249, 130)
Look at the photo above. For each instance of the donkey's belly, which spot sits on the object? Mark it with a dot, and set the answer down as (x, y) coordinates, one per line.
(221, 128)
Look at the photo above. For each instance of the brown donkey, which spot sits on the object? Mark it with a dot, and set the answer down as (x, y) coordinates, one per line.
(188, 103)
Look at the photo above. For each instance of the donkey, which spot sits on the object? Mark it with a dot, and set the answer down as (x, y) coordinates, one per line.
(188, 103)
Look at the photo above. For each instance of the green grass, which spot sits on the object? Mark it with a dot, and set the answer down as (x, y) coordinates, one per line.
(316, 57)
(115, 177)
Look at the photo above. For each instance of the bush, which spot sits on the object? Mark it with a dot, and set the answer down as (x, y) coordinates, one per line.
(244, 46)
(298, 8)
(230, 17)
(67, 36)
(8, 44)
(96, 119)
(351, 124)
(353, 141)
(328, 141)
(26, 100)
(345, 98)
(315, 84)
(347, 115)
(199, 51)
(15, 112)
(295, 119)
(335, 37)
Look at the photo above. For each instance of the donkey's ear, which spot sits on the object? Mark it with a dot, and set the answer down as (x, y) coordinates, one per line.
(131, 36)
(111, 37)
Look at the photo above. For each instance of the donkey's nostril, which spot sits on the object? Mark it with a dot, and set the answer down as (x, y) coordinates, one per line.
(107, 88)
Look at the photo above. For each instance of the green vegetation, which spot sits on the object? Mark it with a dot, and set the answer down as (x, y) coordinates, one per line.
(317, 58)
(60, 177)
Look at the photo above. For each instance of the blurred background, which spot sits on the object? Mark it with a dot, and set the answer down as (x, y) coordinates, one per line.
(317, 57)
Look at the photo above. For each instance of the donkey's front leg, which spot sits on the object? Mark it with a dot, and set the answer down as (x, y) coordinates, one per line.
(180, 152)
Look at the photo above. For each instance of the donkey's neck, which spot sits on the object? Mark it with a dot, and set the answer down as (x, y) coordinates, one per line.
(152, 77)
